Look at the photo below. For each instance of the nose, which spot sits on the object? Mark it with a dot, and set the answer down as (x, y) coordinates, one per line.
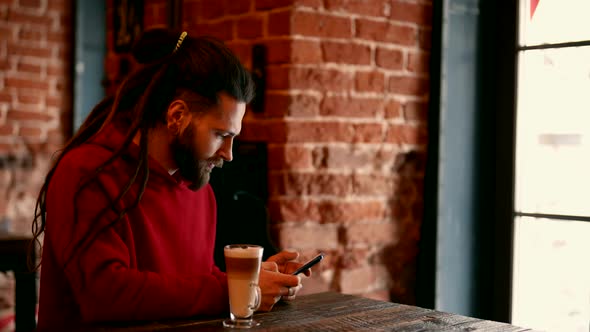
(225, 152)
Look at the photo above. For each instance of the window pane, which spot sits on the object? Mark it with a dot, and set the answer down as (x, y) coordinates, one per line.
(553, 132)
(554, 21)
(551, 287)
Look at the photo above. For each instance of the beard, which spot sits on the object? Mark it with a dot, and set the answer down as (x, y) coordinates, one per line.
(196, 171)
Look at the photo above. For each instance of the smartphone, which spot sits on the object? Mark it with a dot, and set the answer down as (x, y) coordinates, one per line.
(309, 264)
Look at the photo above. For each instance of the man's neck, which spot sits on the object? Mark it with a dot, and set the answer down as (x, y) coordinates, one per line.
(159, 148)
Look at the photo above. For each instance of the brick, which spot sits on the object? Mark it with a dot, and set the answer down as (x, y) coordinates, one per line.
(320, 25)
(307, 236)
(372, 185)
(155, 15)
(393, 109)
(255, 130)
(293, 210)
(281, 157)
(305, 52)
(18, 115)
(303, 131)
(368, 133)
(273, 4)
(30, 68)
(319, 79)
(299, 105)
(30, 132)
(7, 33)
(7, 130)
(31, 34)
(293, 51)
(222, 30)
(209, 10)
(35, 4)
(279, 24)
(340, 157)
(29, 99)
(57, 37)
(29, 50)
(5, 97)
(6, 65)
(352, 212)
(61, 86)
(373, 81)
(408, 85)
(354, 257)
(418, 62)
(243, 50)
(388, 58)
(316, 4)
(301, 184)
(346, 52)
(57, 102)
(351, 107)
(236, 7)
(19, 17)
(23, 83)
(359, 280)
(361, 7)
(386, 32)
(404, 11)
(416, 112)
(407, 134)
(249, 27)
(4, 148)
(371, 233)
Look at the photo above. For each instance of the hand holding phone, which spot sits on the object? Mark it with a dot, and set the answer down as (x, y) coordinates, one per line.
(309, 264)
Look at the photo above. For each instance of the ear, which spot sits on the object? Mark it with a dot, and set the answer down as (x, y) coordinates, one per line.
(178, 116)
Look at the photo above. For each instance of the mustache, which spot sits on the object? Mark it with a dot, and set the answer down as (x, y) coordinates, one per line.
(216, 162)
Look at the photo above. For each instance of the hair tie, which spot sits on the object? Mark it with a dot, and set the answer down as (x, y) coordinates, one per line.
(180, 39)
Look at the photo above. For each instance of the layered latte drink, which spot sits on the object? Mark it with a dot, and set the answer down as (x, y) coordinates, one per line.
(243, 268)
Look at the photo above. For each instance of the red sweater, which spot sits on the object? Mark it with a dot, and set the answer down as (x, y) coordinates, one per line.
(156, 262)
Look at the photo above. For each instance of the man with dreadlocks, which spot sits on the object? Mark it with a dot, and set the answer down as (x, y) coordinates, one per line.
(127, 213)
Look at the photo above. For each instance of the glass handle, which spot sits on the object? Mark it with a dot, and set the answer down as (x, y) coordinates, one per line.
(257, 299)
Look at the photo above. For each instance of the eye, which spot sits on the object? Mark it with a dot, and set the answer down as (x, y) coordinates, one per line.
(222, 135)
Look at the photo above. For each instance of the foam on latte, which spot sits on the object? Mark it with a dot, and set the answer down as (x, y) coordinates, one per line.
(243, 252)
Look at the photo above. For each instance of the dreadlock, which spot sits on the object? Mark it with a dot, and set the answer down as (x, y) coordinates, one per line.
(169, 68)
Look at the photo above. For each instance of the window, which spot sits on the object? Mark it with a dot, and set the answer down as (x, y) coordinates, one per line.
(551, 272)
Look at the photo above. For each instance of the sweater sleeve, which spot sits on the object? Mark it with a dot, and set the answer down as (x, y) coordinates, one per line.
(102, 279)
(107, 289)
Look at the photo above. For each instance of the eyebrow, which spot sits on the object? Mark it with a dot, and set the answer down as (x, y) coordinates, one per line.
(228, 132)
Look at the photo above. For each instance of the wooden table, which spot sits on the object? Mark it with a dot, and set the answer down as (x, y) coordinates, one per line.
(337, 312)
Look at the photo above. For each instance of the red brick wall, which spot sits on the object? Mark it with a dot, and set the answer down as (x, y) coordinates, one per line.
(35, 100)
(345, 123)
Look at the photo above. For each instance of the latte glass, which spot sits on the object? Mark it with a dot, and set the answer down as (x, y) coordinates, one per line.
(242, 263)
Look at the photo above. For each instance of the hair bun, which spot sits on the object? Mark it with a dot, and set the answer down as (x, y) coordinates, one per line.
(154, 44)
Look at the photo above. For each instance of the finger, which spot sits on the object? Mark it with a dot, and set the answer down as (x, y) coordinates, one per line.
(292, 293)
(284, 257)
(286, 291)
(270, 266)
